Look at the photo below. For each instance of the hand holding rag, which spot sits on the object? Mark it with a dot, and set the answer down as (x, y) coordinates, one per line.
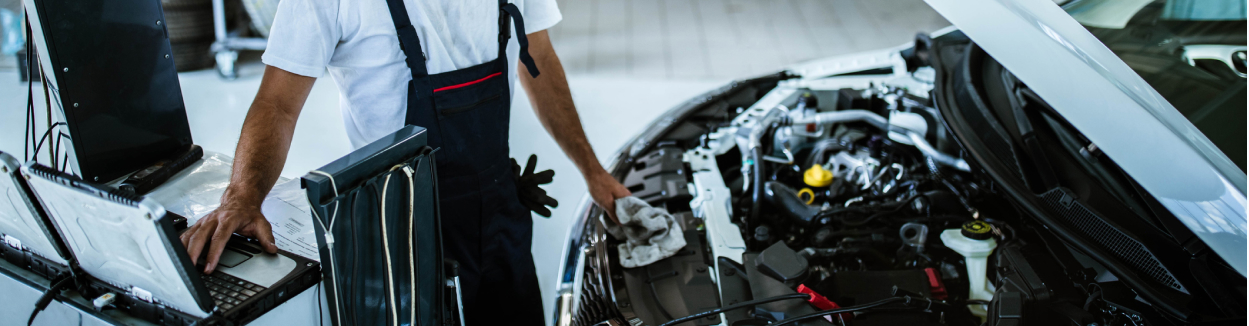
(650, 234)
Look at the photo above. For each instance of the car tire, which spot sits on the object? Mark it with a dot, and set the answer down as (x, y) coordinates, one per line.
(195, 55)
(189, 24)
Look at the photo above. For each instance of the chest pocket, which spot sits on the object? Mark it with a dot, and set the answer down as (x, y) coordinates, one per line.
(473, 117)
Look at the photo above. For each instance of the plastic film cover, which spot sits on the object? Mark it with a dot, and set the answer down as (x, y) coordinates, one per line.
(196, 190)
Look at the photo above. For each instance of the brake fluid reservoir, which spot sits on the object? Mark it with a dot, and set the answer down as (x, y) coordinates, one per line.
(975, 242)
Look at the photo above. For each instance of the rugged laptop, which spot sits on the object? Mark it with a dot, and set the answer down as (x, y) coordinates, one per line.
(110, 66)
(128, 245)
(30, 242)
(377, 224)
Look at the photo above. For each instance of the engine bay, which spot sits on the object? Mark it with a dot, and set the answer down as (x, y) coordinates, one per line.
(839, 200)
(881, 189)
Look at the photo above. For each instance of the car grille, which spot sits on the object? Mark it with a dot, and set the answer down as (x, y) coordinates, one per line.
(595, 304)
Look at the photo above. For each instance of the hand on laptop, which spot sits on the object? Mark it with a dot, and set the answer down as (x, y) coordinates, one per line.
(214, 230)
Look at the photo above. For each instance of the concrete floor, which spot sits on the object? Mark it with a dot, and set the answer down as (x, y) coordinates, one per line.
(627, 60)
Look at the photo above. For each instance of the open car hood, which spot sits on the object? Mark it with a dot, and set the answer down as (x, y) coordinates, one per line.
(1117, 110)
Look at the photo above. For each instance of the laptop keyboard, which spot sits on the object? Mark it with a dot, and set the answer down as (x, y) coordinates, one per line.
(228, 291)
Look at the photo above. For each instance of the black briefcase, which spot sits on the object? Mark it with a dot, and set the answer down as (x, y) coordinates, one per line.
(378, 228)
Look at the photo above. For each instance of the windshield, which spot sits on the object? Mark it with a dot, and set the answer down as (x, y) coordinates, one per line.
(1191, 51)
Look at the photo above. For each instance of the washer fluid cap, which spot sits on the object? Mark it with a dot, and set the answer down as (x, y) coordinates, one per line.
(978, 230)
(817, 176)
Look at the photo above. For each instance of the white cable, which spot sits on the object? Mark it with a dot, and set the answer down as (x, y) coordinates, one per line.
(329, 244)
(390, 274)
(411, 236)
(334, 215)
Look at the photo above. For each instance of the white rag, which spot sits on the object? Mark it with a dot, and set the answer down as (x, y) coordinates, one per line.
(650, 233)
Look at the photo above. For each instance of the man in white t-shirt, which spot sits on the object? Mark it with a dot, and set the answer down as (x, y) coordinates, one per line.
(447, 65)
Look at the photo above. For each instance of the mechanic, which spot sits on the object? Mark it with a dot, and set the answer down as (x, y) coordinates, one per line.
(449, 68)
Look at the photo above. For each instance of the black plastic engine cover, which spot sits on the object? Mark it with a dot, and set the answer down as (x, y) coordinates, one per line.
(782, 264)
(848, 288)
(658, 176)
(1033, 288)
(858, 287)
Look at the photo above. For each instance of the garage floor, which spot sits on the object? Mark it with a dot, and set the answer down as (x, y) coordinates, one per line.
(628, 61)
(699, 39)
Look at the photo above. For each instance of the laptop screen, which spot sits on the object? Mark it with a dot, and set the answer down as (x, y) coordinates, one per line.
(20, 224)
(116, 81)
(125, 241)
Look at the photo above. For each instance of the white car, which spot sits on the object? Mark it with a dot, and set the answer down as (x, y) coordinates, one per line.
(1079, 163)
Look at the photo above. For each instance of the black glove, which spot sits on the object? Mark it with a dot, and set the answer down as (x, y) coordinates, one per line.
(531, 195)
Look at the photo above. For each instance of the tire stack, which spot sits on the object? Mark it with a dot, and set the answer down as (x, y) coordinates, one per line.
(262, 13)
(190, 25)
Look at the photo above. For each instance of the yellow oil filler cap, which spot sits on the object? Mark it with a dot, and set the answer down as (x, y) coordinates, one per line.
(817, 176)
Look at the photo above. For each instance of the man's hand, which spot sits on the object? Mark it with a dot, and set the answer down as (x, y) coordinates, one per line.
(214, 231)
(604, 189)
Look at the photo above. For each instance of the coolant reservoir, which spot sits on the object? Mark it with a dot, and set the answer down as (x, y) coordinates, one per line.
(975, 242)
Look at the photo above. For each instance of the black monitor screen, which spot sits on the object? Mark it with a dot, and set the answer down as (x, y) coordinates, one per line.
(117, 83)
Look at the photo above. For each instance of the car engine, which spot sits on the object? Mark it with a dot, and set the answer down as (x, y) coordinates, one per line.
(835, 193)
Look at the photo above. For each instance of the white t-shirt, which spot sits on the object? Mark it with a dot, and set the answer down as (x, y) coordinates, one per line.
(356, 40)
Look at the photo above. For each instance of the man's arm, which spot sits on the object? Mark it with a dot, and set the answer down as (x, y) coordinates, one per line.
(258, 161)
(552, 102)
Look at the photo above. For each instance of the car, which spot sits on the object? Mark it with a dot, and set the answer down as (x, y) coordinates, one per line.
(1037, 163)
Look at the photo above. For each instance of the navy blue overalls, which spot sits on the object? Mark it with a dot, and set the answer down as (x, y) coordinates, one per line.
(484, 226)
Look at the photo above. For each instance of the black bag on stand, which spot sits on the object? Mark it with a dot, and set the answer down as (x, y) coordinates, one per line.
(377, 223)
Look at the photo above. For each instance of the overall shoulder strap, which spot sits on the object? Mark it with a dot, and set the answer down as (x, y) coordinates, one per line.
(519, 22)
(409, 42)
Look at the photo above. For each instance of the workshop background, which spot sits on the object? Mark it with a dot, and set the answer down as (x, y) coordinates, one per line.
(627, 61)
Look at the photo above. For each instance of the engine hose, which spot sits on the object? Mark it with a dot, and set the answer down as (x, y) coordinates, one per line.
(737, 306)
(787, 200)
(756, 193)
(936, 155)
(876, 120)
(827, 118)
(933, 169)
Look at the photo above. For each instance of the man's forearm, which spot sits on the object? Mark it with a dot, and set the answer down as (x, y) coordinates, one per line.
(260, 155)
(552, 103)
(266, 137)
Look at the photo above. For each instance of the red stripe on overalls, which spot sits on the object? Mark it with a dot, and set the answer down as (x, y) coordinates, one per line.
(468, 83)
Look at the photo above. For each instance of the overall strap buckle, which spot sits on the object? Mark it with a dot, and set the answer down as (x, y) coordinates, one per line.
(505, 32)
(410, 44)
(409, 41)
